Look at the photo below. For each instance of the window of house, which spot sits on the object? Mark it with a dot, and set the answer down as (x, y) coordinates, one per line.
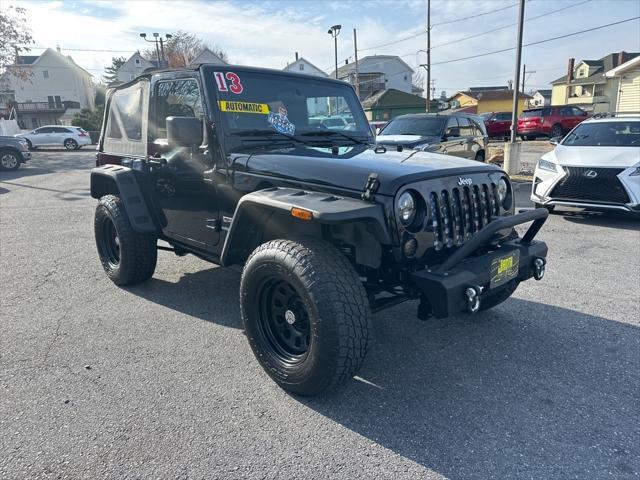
(45, 73)
(176, 98)
(137, 61)
(301, 66)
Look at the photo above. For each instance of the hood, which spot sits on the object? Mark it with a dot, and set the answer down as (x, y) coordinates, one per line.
(594, 156)
(350, 168)
(406, 140)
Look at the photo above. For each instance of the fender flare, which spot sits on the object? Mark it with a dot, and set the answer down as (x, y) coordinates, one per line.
(104, 178)
(326, 209)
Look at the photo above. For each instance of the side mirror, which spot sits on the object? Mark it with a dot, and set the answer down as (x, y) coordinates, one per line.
(555, 140)
(184, 131)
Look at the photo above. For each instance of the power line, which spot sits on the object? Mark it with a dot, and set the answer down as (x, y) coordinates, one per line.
(507, 26)
(475, 16)
(80, 49)
(434, 25)
(536, 43)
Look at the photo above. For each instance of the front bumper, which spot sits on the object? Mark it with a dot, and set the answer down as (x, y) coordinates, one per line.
(444, 287)
(26, 156)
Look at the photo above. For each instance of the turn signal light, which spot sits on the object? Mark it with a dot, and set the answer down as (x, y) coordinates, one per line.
(301, 213)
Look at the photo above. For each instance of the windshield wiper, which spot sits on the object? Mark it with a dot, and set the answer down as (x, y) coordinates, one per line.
(256, 132)
(328, 133)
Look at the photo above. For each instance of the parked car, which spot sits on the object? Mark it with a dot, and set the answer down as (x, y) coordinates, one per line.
(71, 138)
(498, 124)
(325, 225)
(597, 165)
(13, 152)
(458, 134)
(377, 125)
(549, 121)
(334, 122)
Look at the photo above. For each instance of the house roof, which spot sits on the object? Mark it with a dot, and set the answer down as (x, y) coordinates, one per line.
(474, 89)
(302, 59)
(34, 59)
(623, 67)
(345, 70)
(491, 94)
(606, 63)
(205, 57)
(544, 93)
(27, 59)
(393, 98)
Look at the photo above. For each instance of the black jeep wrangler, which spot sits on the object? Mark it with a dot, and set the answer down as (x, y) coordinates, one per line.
(228, 164)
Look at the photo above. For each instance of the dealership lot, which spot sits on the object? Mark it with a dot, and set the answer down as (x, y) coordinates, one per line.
(158, 381)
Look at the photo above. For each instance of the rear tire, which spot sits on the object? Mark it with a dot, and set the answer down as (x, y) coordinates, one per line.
(128, 257)
(70, 144)
(306, 314)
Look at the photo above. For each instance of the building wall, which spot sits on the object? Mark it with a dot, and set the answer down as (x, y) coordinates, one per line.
(501, 105)
(133, 67)
(397, 75)
(559, 94)
(54, 75)
(629, 97)
(385, 114)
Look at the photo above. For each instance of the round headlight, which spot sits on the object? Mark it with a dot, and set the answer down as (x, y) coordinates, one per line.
(503, 189)
(406, 208)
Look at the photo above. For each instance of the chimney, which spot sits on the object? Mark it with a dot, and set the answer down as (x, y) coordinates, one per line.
(58, 48)
(346, 61)
(621, 58)
(296, 56)
(570, 66)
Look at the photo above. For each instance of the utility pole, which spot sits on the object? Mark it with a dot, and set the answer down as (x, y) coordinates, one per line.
(428, 56)
(524, 75)
(516, 83)
(355, 53)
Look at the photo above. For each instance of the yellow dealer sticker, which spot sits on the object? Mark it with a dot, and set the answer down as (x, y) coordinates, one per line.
(243, 107)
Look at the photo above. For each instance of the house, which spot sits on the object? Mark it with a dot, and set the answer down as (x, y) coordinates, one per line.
(541, 98)
(481, 101)
(134, 66)
(207, 56)
(586, 84)
(628, 76)
(56, 85)
(390, 103)
(302, 65)
(378, 72)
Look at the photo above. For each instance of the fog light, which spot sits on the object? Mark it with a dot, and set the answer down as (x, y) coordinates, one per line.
(410, 247)
(538, 268)
(473, 298)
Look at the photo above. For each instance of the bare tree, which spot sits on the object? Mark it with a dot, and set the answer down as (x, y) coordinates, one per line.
(182, 48)
(419, 79)
(14, 39)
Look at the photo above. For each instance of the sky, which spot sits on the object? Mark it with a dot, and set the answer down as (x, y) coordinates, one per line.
(268, 33)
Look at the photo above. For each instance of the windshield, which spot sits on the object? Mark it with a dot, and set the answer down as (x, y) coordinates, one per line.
(255, 103)
(423, 126)
(605, 134)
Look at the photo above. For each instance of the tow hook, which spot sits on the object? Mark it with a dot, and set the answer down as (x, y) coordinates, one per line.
(473, 298)
(538, 268)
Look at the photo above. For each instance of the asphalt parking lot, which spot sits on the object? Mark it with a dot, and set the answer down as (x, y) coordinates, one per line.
(157, 380)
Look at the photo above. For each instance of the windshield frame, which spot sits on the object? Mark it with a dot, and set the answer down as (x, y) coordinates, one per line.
(591, 124)
(231, 141)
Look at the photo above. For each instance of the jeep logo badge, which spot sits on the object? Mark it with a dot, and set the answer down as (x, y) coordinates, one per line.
(465, 181)
(591, 174)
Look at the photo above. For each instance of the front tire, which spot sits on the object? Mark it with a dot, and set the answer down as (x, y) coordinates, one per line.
(305, 313)
(128, 257)
(70, 144)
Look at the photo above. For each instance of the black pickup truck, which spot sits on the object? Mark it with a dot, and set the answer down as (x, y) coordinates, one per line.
(227, 163)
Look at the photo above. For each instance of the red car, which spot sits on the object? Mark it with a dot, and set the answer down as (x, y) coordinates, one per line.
(549, 121)
(498, 124)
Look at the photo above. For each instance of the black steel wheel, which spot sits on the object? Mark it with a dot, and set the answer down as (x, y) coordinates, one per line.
(128, 257)
(9, 160)
(283, 321)
(305, 313)
(70, 144)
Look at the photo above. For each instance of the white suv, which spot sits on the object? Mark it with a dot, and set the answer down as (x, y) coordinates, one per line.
(71, 138)
(597, 165)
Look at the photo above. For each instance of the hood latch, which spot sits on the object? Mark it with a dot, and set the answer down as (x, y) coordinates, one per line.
(371, 187)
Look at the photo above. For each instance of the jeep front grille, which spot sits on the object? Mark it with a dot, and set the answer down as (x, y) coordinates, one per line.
(591, 185)
(459, 213)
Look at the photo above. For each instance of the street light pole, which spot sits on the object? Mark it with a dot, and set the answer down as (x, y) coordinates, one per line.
(158, 39)
(334, 32)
